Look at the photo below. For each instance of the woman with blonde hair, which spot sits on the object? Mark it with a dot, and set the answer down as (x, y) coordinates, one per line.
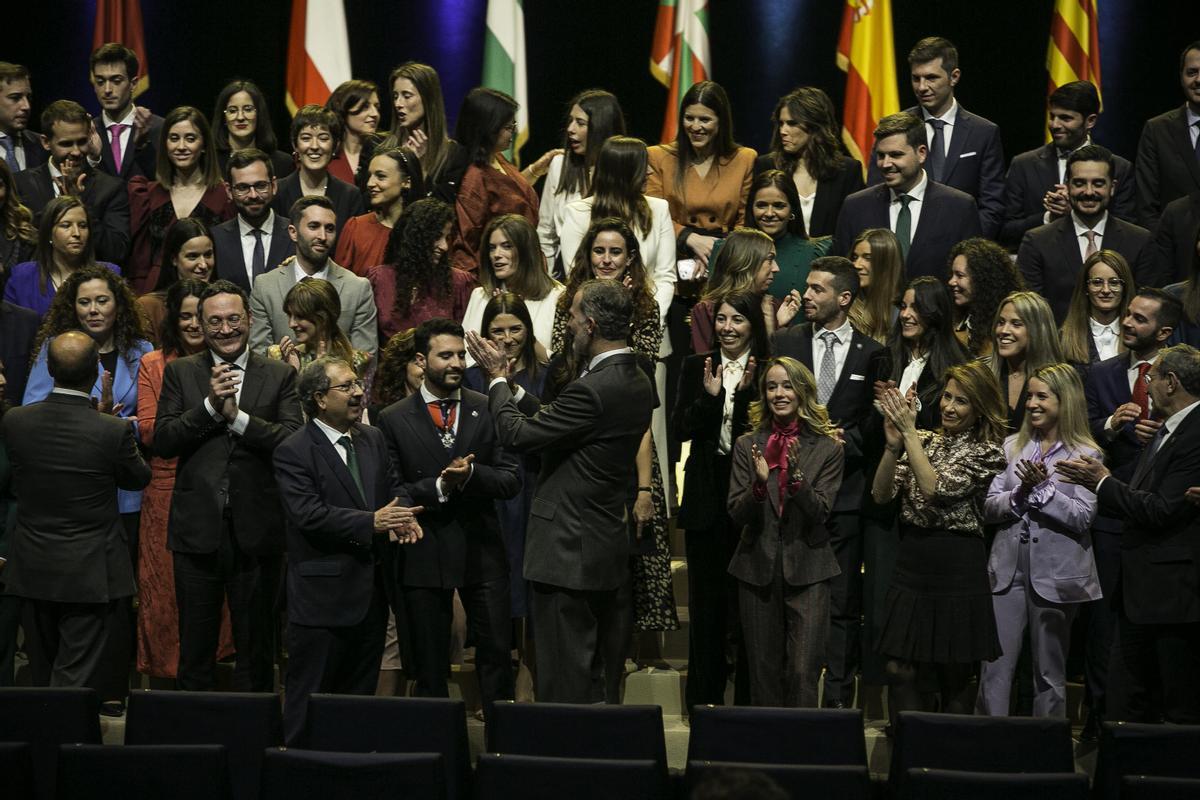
(1041, 566)
(745, 262)
(876, 257)
(785, 475)
(939, 606)
(1024, 338)
(1092, 329)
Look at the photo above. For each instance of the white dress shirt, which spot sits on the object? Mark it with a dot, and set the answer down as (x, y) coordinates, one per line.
(333, 435)
(298, 271)
(126, 135)
(1105, 338)
(806, 207)
(1081, 233)
(840, 349)
(242, 419)
(950, 118)
(917, 193)
(245, 231)
(1192, 120)
(731, 376)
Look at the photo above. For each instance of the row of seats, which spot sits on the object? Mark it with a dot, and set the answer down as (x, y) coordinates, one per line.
(216, 745)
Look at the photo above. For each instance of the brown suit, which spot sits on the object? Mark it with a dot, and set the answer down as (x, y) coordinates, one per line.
(783, 564)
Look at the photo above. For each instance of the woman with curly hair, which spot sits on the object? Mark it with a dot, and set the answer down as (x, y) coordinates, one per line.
(1024, 339)
(980, 276)
(415, 282)
(17, 235)
(784, 477)
(1092, 329)
(399, 374)
(242, 119)
(188, 254)
(186, 184)
(64, 246)
(393, 179)
(805, 147)
(356, 105)
(876, 257)
(313, 308)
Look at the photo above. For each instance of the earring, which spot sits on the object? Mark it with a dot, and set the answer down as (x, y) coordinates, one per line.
(793, 216)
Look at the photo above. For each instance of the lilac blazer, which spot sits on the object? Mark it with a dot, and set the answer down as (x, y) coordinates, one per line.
(1057, 518)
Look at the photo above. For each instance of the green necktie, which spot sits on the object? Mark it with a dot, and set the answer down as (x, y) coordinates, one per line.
(904, 225)
(352, 465)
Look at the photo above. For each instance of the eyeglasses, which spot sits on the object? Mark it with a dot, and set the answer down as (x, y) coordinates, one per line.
(246, 111)
(345, 387)
(1112, 283)
(216, 323)
(243, 189)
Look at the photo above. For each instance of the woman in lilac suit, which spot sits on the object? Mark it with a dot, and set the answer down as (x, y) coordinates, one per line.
(1041, 566)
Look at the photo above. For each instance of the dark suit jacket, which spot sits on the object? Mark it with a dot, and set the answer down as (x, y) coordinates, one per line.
(231, 261)
(1166, 164)
(218, 466)
(1050, 261)
(1035, 172)
(974, 164)
(347, 200)
(851, 403)
(588, 440)
(799, 535)
(141, 160)
(105, 197)
(697, 418)
(18, 327)
(35, 154)
(1160, 542)
(1175, 238)
(331, 539)
(830, 194)
(68, 461)
(1106, 387)
(462, 543)
(948, 217)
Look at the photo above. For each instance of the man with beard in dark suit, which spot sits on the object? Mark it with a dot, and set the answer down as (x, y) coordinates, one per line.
(1168, 156)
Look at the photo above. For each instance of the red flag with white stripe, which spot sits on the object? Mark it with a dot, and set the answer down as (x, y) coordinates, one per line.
(318, 52)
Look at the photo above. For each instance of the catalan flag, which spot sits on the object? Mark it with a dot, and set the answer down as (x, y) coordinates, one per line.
(679, 55)
(121, 21)
(1074, 51)
(867, 55)
(318, 55)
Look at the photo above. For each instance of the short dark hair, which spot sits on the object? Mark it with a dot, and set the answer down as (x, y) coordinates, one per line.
(903, 123)
(314, 380)
(240, 159)
(1078, 96)
(223, 286)
(932, 47)
(115, 53)
(75, 373)
(1091, 152)
(610, 305)
(1182, 55)
(438, 326)
(1170, 310)
(67, 111)
(845, 276)
(308, 201)
(315, 116)
(13, 72)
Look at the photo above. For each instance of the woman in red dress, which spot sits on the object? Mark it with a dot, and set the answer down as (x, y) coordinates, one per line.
(393, 178)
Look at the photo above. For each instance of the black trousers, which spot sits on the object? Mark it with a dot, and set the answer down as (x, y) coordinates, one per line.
(71, 637)
(111, 680)
(578, 634)
(342, 660)
(1152, 673)
(429, 615)
(203, 581)
(843, 655)
(714, 630)
(10, 622)
(1101, 619)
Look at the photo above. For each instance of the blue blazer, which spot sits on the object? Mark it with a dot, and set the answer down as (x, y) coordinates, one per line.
(1106, 387)
(22, 288)
(124, 390)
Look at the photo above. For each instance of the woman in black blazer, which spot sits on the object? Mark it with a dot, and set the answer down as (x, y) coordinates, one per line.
(804, 144)
(711, 417)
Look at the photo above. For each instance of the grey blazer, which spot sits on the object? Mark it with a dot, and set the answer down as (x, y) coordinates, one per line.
(799, 536)
(269, 322)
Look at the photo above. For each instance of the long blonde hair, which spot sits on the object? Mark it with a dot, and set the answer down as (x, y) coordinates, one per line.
(737, 262)
(1076, 332)
(871, 311)
(1042, 337)
(1073, 431)
(810, 412)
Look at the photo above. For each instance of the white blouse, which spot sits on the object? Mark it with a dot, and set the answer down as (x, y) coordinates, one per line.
(541, 312)
(551, 210)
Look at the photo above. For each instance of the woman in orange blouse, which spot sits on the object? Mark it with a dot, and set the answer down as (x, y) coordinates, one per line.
(393, 178)
(491, 186)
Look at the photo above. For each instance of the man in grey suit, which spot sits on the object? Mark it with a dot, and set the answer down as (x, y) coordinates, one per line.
(577, 541)
(68, 554)
(222, 412)
(313, 228)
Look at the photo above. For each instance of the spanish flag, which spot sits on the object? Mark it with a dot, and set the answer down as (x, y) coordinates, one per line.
(866, 54)
(1074, 51)
(679, 55)
(318, 54)
(121, 21)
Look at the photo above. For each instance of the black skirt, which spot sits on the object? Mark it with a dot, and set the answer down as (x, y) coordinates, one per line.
(938, 608)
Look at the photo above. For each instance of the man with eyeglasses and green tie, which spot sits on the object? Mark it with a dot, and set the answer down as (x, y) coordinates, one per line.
(1051, 256)
(222, 412)
(256, 240)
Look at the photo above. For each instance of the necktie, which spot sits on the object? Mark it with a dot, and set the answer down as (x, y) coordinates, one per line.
(904, 225)
(114, 139)
(352, 465)
(258, 263)
(937, 150)
(1091, 248)
(10, 154)
(1197, 127)
(1140, 395)
(1144, 463)
(828, 375)
(443, 412)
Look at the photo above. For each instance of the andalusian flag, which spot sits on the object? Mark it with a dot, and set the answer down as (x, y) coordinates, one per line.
(866, 54)
(679, 56)
(318, 58)
(504, 62)
(121, 21)
(1074, 52)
